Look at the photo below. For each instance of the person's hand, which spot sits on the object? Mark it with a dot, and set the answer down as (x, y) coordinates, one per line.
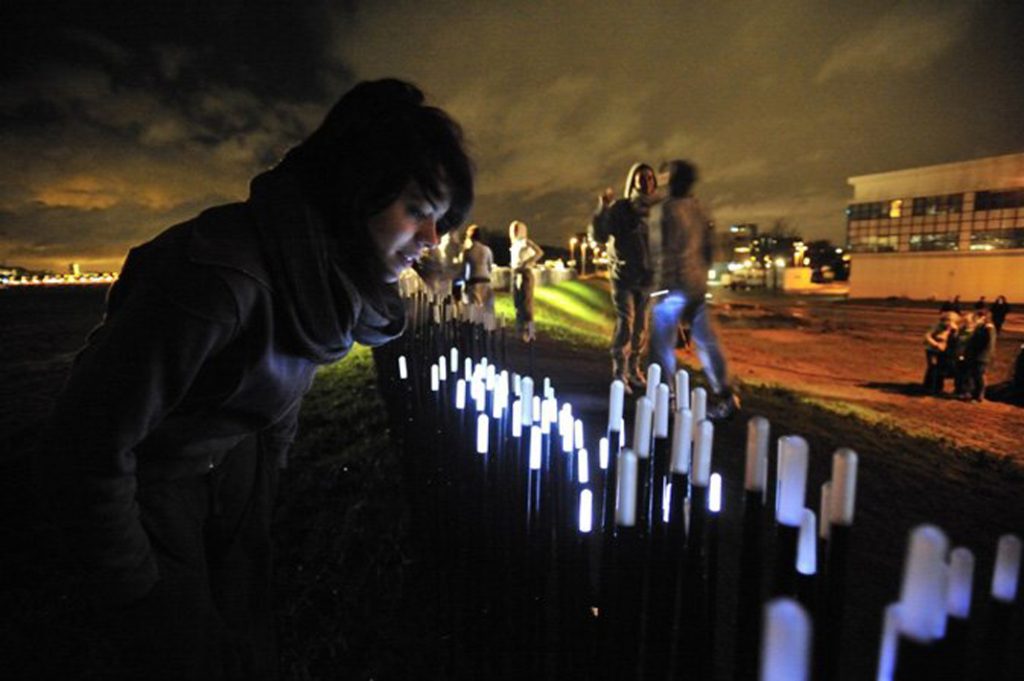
(607, 197)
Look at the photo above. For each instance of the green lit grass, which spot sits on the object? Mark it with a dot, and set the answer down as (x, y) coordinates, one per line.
(576, 312)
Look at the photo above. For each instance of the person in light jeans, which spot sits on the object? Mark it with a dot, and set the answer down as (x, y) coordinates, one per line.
(683, 260)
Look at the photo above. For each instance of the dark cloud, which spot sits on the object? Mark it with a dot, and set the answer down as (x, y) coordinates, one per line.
(117, 117)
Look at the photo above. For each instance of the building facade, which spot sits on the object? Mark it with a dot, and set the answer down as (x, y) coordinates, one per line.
(939, 231)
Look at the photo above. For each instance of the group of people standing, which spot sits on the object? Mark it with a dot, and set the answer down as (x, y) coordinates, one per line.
(961, 346)
(672, 274)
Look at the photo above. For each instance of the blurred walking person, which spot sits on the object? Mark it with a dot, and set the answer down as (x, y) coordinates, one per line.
(979, 350)
(478, 260)
(622, 224)
(525, 253)
(683, 262)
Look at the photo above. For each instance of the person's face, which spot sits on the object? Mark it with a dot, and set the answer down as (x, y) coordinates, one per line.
(402, 230)
(645, 181)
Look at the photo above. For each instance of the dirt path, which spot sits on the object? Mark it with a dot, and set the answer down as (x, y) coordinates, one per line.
(869, 362)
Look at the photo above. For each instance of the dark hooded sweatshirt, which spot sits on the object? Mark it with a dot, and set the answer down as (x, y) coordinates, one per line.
(212, 334)
(623, 225)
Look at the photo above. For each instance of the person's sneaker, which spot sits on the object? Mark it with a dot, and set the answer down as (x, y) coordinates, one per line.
(725, 408)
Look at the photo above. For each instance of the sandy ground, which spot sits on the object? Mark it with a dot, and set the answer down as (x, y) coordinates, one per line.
(867, 359)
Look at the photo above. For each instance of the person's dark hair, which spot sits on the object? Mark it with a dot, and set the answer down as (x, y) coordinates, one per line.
(681, 177)
(374, 142)
(475, 233)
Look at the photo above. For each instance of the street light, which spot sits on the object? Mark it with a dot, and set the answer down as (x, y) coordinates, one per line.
(572, 247)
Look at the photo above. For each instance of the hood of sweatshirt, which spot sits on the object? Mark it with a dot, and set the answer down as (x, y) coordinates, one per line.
(317, 301)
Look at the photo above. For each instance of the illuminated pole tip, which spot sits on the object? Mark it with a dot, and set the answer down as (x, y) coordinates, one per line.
(577, 433)
(661, 410)
(625, 492)
(586, 511)
(536, 410)
(442, 367)
(789, 503)
(715, 493)
(403, 369)
(642, 428)
(517, 384)
(824, 526)
(479, 394)
(547, 386)
(1006, 575)
(616, 395)
(583, 467)
(549, 414)
(535, 441)
(682, 437)
(699, 404)
(517, 418)
(482, 432)
(453, 357)
(887, 649)
(602, 453)
(806, 548)
(923, 592)
(653, 380)
(526, 390)
(434, 378)
(682, 390)
(460, 394)
(492, 377)
(961, 579)
(786, 647)
(756, 472)
(565, 421)
(844, 487)
(467, 369)
(622, 433)
(702, 441)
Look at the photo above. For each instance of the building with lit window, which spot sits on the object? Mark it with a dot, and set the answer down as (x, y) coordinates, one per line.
(939, 231)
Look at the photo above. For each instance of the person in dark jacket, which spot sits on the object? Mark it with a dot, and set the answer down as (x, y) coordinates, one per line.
(937, 342)
(623, 225)
(979, 351)
(1000, 308)
(164, 446)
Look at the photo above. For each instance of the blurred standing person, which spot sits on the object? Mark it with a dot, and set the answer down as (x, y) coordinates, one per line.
(478, 260)
(525, 253)
(163, 449)
(1000, 309)
(979, 350)
(622, 224)
(683, 261)
(961, 376)
(936, 344)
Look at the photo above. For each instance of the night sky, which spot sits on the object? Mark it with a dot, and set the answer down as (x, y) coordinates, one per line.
(118, 119)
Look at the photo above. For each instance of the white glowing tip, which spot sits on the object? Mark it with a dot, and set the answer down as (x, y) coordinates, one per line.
(682, 390)
(961, 576)
(923, 593)
(1007, 570)
(586, 511)
(642, 427)
(844, 487)
(403, 369)
(807, 547)
(583, 467)
(703, 439)
(715, 493)
(756, 472)
(661, 411)
(517, 384)
(785, 650)
(666, 503)
(577, 434)
(442, 367)
(567, 443)
(453, 357)
(526, 391)
(537, 414)
(535, 436)
(890, 636)
(792, 467)
(602, 453)
(622, 433)
(548, 390)
(467, 371)
(434, 378)
(699, 404)
(482, 427)
(625, 493)
(653, 380)
(460, 394)
(682, 438)
(616, 395)
(517, 418)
